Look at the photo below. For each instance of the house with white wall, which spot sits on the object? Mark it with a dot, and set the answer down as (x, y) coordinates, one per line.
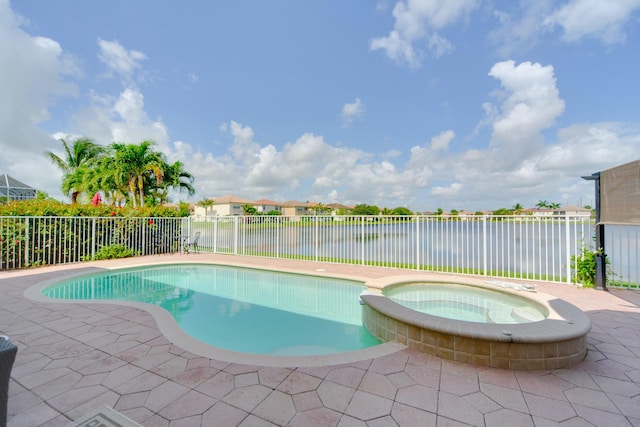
(265, 206)
(223, 206)
(539, 212)
(573, 211)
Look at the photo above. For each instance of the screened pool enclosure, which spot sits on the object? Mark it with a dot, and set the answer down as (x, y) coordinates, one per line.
(11, 189)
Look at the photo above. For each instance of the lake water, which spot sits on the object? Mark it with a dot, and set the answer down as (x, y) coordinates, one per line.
(529, 248)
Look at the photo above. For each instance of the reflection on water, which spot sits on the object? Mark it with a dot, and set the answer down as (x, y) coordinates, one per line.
(510, 246)
(521, 246)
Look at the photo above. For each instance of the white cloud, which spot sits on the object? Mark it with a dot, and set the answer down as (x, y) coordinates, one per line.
(122, 118)
(382, 5)
(309, 167)
(439, 45)
(527, 21)
(299, 161)
(421, 20)
(398, 49)
(449, 191)
(215, 175)
(120, 60)
(441, 141)
(520, 28)
(604, 20)
(508, 169)
(35, 73)
(351, 111)
(586, 148)
(430, 159)
(243, 147)
(516, 165)
(530, 104)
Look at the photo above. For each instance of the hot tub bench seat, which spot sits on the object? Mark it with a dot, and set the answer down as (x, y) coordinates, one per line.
(556, 342)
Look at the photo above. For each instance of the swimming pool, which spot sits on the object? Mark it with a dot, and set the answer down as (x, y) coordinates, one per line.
(239, 309)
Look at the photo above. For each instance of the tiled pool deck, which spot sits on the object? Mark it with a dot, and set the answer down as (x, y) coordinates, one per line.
(75, 358)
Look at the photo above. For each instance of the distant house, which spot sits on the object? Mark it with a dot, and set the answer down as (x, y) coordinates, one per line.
(296, 208)
(223, 206)
(573, 211)
(337, 208)
(265, 206)
(539, 212)
(466, 214)
(549, 213)
(315, 208)
(11, 189)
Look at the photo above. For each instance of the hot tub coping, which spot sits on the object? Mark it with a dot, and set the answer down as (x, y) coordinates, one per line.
(564, 321)
(555, 342)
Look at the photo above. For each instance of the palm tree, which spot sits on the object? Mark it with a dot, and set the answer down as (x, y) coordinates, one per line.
(137, 162)
(517, 208)
(206, 204)
(78, 157)
(176, 178)
(542, 204)
(108, 178)
(77, 183)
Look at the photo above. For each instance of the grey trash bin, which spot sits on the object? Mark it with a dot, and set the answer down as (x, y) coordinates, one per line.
(8, 352)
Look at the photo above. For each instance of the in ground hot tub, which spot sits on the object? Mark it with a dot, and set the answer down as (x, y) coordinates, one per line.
(466, 302)
(469, 321)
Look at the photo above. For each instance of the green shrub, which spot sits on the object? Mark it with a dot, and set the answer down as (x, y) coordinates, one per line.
(112, 252)
(54, 208)
(583, 265)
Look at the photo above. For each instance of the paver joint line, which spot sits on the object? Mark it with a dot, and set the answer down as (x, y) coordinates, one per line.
(74, 357)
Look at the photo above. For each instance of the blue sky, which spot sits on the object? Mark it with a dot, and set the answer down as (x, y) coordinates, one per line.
(428, 104)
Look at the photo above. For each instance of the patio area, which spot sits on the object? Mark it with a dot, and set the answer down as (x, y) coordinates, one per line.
(74, 358)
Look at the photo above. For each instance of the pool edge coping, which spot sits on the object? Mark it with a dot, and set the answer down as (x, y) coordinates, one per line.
(170, 329)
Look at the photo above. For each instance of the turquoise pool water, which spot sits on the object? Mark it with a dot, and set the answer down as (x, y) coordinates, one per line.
(240, 309)
(468, 303)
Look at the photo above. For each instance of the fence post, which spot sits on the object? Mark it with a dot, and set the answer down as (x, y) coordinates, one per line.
(26, 242)
(278, 225)
(317, 240)
(93, 237)
(362, 240)
(189, 228)
(144, 235)
(484, 245)
(418, 242)
(567, 236)
(235, 235)
(215, 234)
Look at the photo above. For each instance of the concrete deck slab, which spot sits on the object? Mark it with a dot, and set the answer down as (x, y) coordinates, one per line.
(73, 358)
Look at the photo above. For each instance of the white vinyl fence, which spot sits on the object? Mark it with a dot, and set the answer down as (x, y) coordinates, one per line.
(515, 247)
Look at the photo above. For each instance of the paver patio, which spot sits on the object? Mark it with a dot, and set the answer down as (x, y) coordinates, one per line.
(76, 357)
